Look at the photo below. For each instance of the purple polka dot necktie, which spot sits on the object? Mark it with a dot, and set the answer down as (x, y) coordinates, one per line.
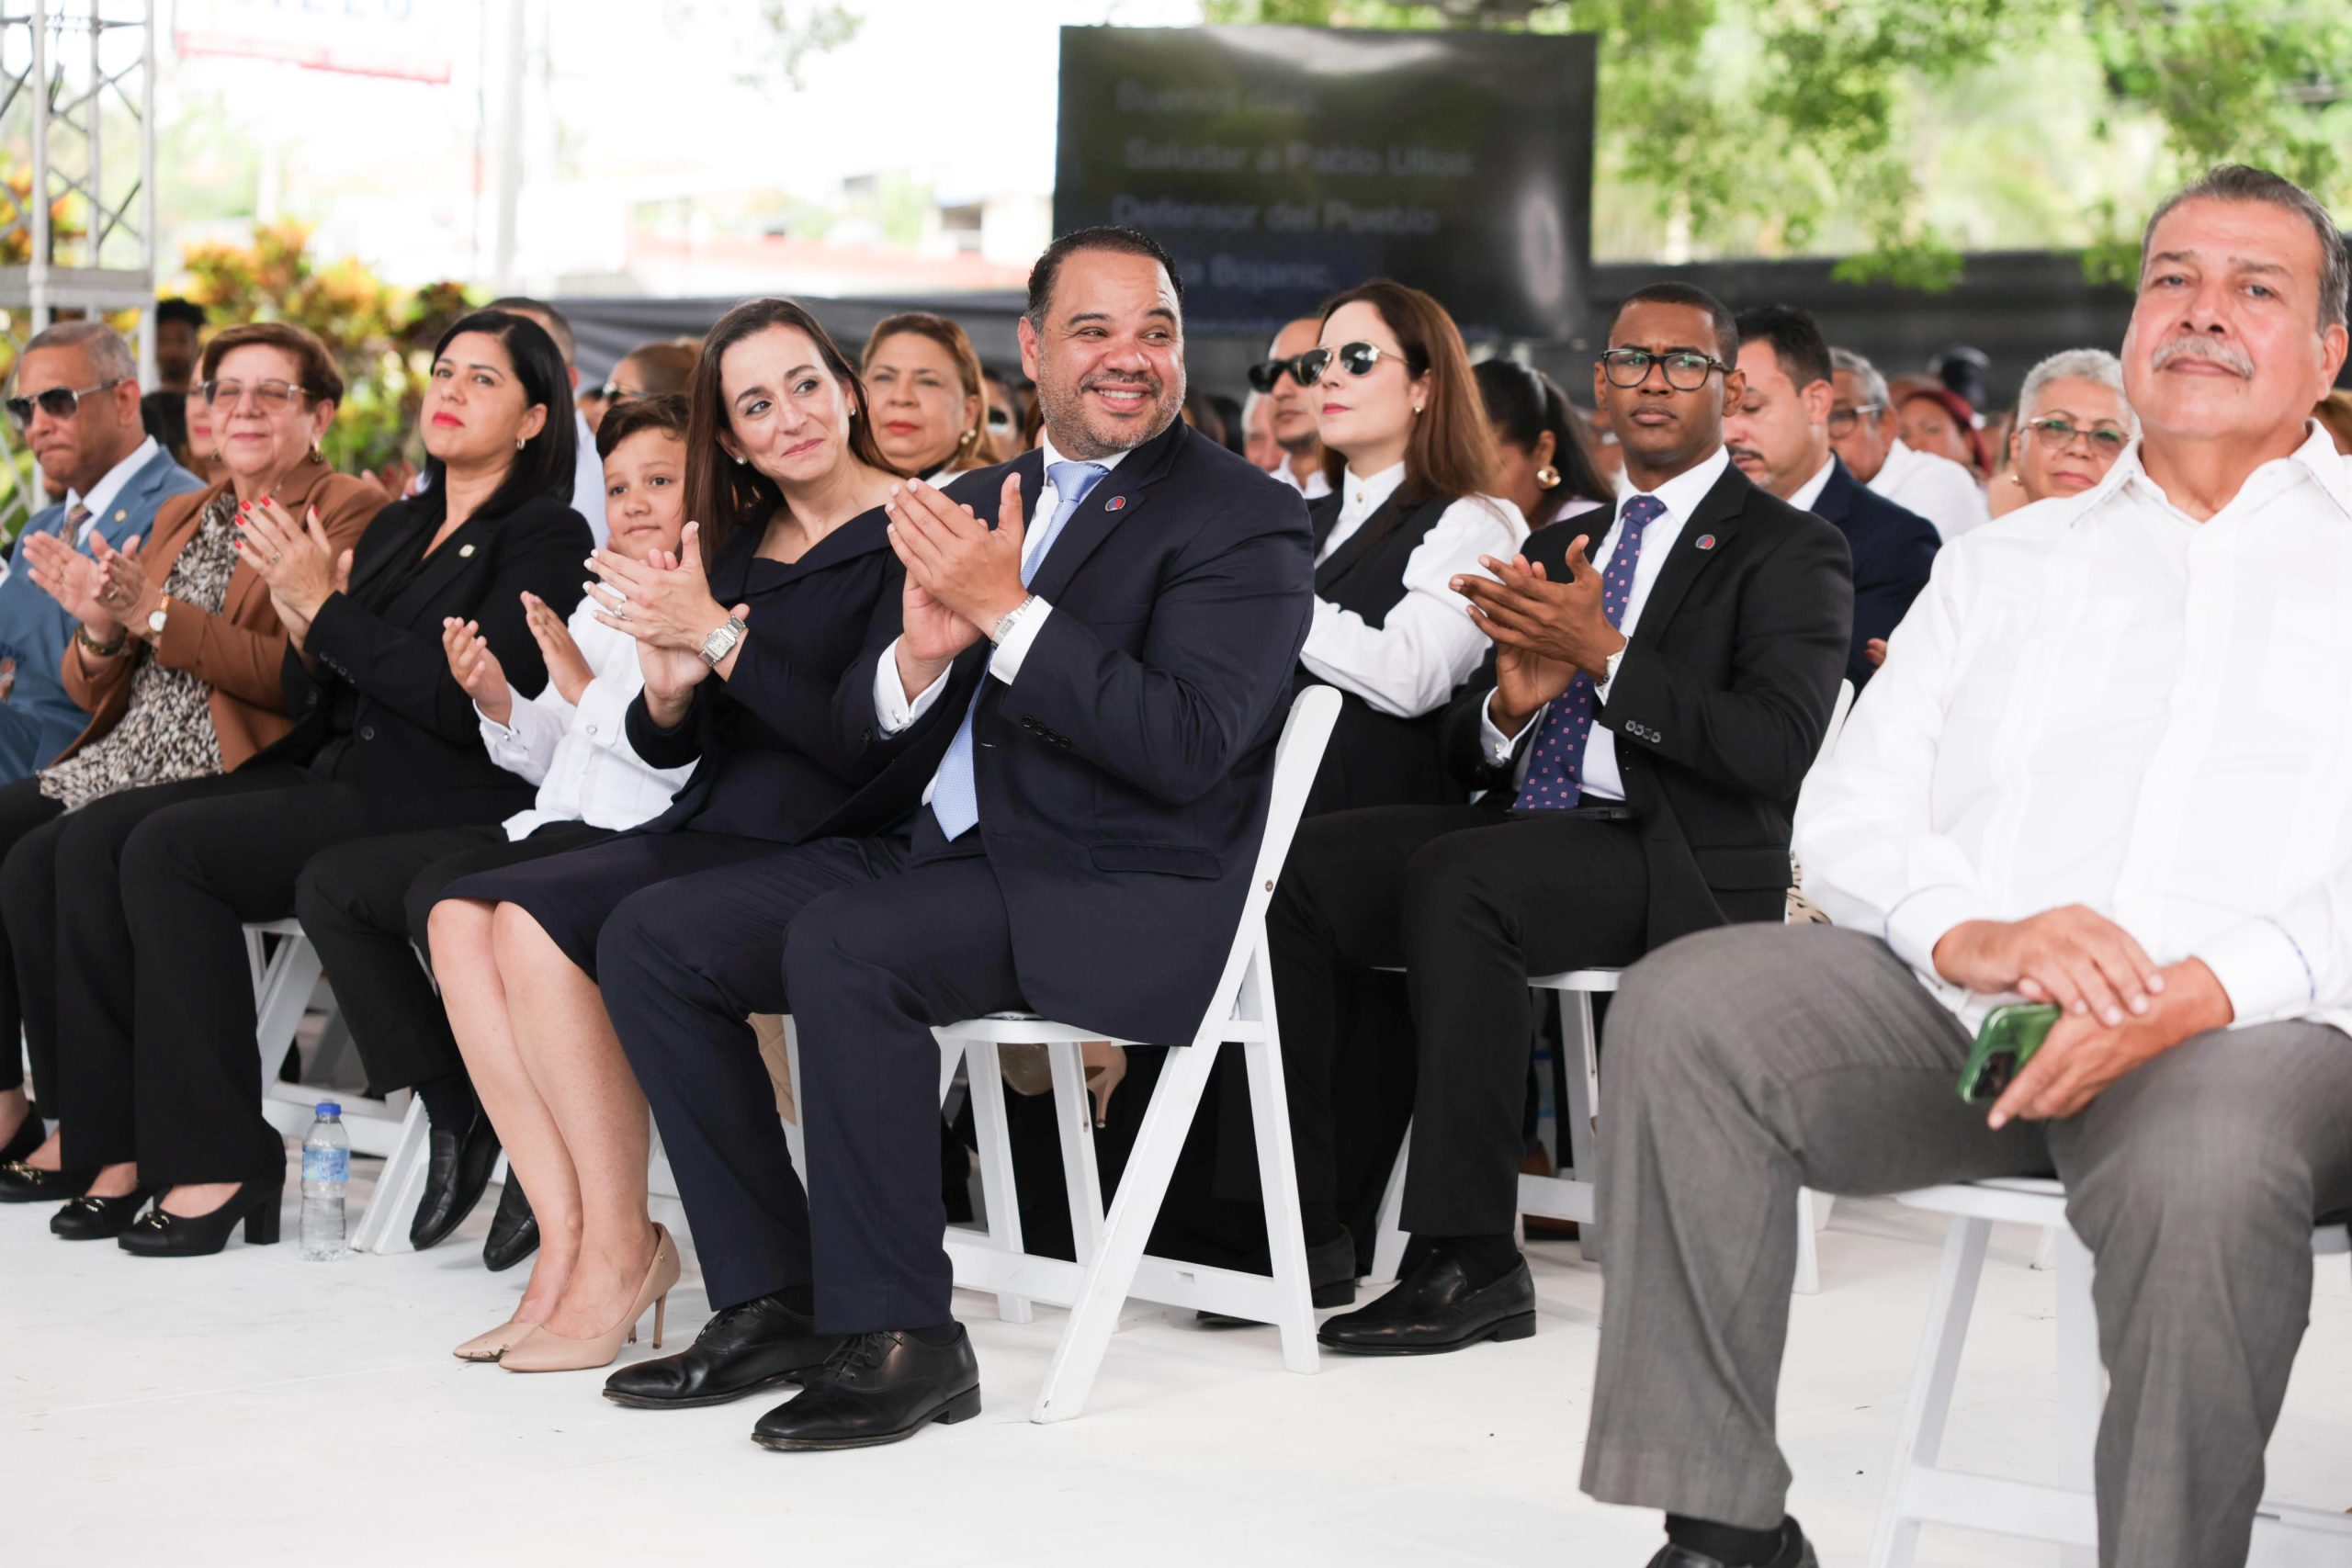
(1556, 765)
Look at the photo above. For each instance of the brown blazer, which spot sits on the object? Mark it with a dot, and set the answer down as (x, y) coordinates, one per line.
(239, 652)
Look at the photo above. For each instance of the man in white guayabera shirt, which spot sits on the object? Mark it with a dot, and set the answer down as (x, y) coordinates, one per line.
(2108, 764)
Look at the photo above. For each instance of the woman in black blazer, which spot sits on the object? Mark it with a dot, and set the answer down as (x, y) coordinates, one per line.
(744, 640)
(385, 740)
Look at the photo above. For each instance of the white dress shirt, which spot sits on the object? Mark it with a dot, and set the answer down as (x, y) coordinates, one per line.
(580, 757)
(1810, 491)
(2097, 700)
(1317, 484)
(102, 493)
(1936, 487)
(892, 707)
(1680, 496)
(1427, 643)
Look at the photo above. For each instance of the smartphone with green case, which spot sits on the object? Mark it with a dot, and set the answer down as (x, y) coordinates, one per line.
(2010, 1036)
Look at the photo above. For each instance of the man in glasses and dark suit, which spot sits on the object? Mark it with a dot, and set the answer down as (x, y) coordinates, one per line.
(1659, 683)
(76, 404)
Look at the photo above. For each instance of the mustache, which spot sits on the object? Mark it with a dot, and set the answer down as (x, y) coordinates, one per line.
(1120, 378)
(2229, 358)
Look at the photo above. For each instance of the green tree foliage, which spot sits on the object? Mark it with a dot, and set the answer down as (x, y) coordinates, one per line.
(1785, 126)
(381, 336)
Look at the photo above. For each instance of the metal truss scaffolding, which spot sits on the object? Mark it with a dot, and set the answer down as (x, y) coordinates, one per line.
(77, 176)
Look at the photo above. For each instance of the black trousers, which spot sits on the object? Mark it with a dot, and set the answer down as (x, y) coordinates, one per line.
(28, 936)
(1471, 901)
(172, 1080)
(365, 905)
(879, 940)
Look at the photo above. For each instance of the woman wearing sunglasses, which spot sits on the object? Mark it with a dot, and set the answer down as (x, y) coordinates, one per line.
(930, 401)
(2073, 423)
(176, 659)
(1413, 467)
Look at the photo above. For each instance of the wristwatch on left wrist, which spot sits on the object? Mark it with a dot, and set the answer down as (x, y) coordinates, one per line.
(155, 620)
(1608, 665)
(1010, 619)
(720, 643)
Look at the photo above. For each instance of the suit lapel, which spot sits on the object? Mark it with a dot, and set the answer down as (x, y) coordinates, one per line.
(1375, 531)
(1114, 500)
(389, 550)
(1715, 521)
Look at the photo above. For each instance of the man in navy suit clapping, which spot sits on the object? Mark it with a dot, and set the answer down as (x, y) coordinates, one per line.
(1078, 710)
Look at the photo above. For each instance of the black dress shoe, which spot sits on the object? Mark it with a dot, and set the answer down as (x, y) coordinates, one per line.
(750, 1346)
(98, 1219)
(876, 1389)
(20, 1183)
(1795, 1552)
(455, 1178)
(1435, 1308)
(513, 1229)
(1331, 1280)
(29, 1135)
(158, 1234)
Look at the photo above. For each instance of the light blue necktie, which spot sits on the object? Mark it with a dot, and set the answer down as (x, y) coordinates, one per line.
(954, 798)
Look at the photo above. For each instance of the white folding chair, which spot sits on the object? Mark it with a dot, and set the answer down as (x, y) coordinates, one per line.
(1570, 1197)
(1920, 1491)
(287, 982)
(1112, 1265)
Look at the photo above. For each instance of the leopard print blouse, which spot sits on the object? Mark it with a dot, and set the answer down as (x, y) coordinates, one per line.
(167, 733)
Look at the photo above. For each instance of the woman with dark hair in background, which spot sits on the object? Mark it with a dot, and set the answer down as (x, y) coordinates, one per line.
(1546, 466)
(786, 480)
(929, 396)
(156, 1043)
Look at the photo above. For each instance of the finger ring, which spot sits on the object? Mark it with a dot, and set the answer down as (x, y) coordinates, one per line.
(277, 555)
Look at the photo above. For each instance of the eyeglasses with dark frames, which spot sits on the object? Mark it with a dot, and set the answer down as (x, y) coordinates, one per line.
(1686, 369)
(1842, 421)
(613, 392)
(58, 402)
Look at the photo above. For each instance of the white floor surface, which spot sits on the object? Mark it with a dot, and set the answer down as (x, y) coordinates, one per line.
(253, 1408)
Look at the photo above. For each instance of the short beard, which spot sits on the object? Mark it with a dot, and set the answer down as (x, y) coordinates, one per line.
(1066, 428)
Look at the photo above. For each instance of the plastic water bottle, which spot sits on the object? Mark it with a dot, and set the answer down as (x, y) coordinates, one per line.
(327, 1171)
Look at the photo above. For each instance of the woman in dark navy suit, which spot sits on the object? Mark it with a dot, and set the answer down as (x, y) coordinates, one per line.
(744, 637)
(384, 741)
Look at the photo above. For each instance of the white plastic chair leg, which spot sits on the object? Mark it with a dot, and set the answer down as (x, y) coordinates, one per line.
(1388, 1249)
(399, 1187)
(1919, 1439)
(999, 1191)
(1278, 1180)
(1578, 1123)
(2045, 1251)
(1812, 1214)
(1074, 1122)
(1078, 1355)
(796, 1141)
(2082, 1380)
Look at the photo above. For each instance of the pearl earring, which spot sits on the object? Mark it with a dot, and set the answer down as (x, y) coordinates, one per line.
(1548, 477)
(520, 443)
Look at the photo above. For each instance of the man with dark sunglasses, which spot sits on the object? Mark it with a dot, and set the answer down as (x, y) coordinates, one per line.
(75, 403)
(1296, 431)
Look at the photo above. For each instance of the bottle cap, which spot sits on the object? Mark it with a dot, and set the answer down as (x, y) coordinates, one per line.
(329, 1108)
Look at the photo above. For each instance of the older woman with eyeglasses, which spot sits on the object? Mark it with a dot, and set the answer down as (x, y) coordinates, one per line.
(178, 661)
(2073, 423)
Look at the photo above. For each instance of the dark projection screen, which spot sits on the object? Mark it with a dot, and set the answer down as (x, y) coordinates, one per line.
(1280, 164)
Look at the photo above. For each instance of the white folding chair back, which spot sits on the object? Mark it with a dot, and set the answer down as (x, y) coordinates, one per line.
(1112, 1265)
(1570, 1197)
(1922, 1490)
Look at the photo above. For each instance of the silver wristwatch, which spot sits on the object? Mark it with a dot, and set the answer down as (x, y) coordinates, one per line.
(1006, 622)
(721, 643)
(1609, 667)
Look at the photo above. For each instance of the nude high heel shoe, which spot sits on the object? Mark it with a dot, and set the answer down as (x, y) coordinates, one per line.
(489, 1347)
(542, 1351)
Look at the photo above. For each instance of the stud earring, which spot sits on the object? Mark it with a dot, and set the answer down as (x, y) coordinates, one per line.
(520, 443)
(1548, 477)
(1417, 409)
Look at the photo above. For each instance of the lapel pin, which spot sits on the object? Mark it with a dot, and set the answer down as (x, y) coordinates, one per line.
(1706, 541)
(122, 516)
(1115, 502)
(466, 551)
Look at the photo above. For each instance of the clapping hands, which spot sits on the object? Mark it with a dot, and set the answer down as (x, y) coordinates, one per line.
(568, 670)
(476, 668)
(76, 580)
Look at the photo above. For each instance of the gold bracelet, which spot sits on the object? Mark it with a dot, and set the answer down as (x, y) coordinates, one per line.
(101, 650)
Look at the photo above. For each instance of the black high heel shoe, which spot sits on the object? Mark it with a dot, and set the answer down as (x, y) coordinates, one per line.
(20, 1183)
(159, 1234)
(89, 1218)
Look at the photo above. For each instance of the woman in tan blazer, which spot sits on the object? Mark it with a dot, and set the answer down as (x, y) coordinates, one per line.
(178, 659)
